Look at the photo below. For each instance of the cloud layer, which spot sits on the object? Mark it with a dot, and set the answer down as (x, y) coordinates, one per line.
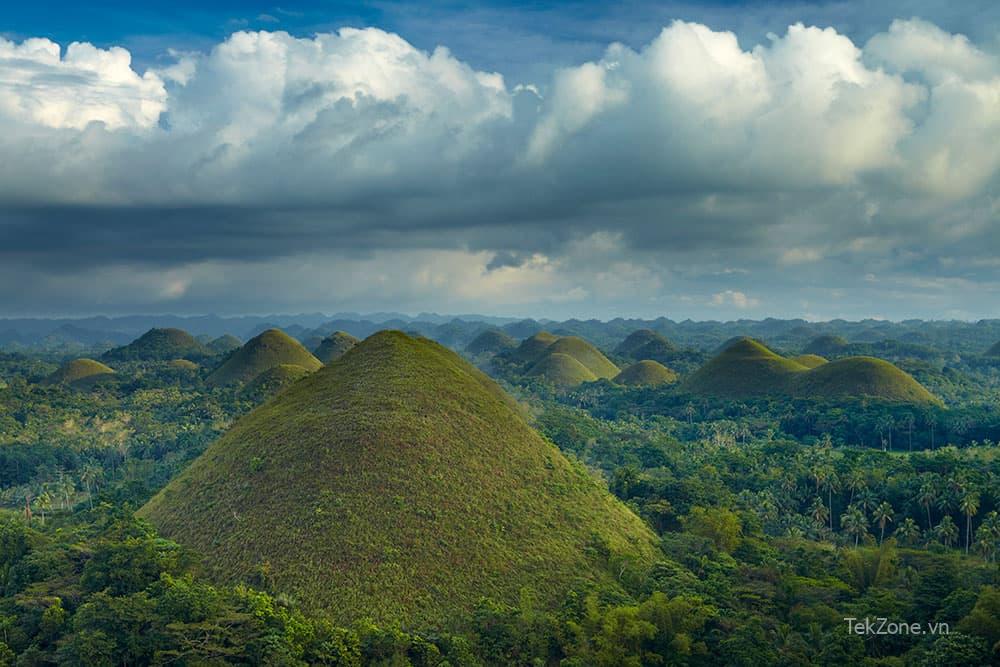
(804, 175)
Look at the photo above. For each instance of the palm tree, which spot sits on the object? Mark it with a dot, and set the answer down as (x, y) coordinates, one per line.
(909, 421)
(908, 531)
(926, 497)
(90, 475)
(946, 532)
(884, 427)
(43, 501)
(988, 536)
(969, 504)
(854, 522)
(856, 481)
(832, 483)
(818, 511)
(883, 515)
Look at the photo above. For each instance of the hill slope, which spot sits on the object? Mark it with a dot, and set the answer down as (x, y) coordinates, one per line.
(586, 354)
(826, 345)
(79, 370)
(644, 344)
(809, 360)
(490, 341)
(224, 343)
(531, 348)
(561, 369)
(273, 380)
(994, 351)
(334, 346)
(409, 486)
(747, 368)
(647, 373)
(160, 345)
(267, 350)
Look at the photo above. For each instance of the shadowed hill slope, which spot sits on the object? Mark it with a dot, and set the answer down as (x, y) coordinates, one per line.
(159, 345)
(646, 373)
(334, 346)
(490, 341)
(79, 371)
(994, 351)
(826, 345)
(224, 343)
(645, 344)
(532, 348)
(267, 350)
(273, 380)
(408, 485)
(561, 370)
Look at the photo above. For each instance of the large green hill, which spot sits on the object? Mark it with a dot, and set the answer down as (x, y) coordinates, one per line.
(224, 343)
(273, 380)
(267, 350)
(398, 483)
(561, 370)
(646, 344)
(532, 348)
(586, 354)
(646, 373)
(334, 346)
(490, 341)
(160, 345)
(747, 368)
(80, 371)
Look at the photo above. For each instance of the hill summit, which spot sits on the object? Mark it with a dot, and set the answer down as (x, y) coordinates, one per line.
(747, 368)
(491, 341)
(646, 344)
(334, 346)
(80, 371)
(646, 373)
(409, 486)
(160, 345)
(262, 352)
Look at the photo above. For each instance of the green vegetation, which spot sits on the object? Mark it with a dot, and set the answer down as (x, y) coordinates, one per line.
(409, 486)
(826, 346)
(810, 360)
(646, 373)
(586, 354)
(80, 371)
(223, 344)
(267, 350)
(531, 348)
(334, 346)
(273, 380)
(491, 341)
(994, 351)
(160, 345)
(746, 368)
(646, 344)
(561, 370)
(184, 365)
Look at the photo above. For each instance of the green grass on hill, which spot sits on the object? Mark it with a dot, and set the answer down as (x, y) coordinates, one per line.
(267, 350)
(224, 343)
(810, 360)
(561, 370)
(826, 345)
(645, 344)
(747, 368)
(273, 380)
(647, 373)
(586, 354)
(398, 483)
(79, 370)
(183, 365)
(532, 348)
(334, 346)
(490, 341)
(160, 345)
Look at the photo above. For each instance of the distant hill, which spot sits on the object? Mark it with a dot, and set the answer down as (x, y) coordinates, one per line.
(647, 373)
(491, 341)
(334, 346)
(159, 345)
(646, 344)
(79, 371)
(747, 368)
(561, 370)
(531, 348)
(994, 351)
(183, 365)
(262, 352)
(826, 346)
(810, 360)
(586, 354)
(400, 484)
(273, 380)
(223, 344)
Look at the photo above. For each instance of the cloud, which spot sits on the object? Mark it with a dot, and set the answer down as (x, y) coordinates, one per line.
(679, 167)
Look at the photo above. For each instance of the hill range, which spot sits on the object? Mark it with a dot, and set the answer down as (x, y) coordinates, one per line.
(401, 484)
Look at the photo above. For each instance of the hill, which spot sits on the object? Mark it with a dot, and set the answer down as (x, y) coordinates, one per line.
(810, 360)
(645, 344)
(647, 373)
(410, 487)
(531, 348)
(273, 380)
(334, 346)
(490, 341)
(994, 351)
(79, 371)
(586, 354)
(861, 377)
(826, 346)
(266, 350)
(562, 370)
(747, 368)
(183, 365)
(159, 345)
(223, 344)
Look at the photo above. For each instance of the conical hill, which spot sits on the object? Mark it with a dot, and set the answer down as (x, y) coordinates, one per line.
(263, 352)
(334, 346)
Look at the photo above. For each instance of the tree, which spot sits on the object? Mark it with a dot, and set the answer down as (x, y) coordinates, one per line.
(89, 476)
(969, 504)
(909, 421)
(718, 524)
(908, 531)
(883, 515)
(927, 496)
(854, 522)
(43, 501)
(946, 532)
(988, 536)
(819, 512)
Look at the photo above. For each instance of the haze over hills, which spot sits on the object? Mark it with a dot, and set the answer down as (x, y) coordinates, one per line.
(491, 341)
(335, 346)
(224, 343)
(262, 352)
(410, 486)
(748, 368)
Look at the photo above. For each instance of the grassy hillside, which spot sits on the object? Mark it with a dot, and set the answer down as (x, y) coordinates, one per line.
(273, 380)
(561, 370)
(79, 370)
(532, 348)
(267, 350)
(490, 341)
(334, 346)
(224, 343)
(748, 368)
(645, 344)
(160, 345)
(586, 354)
(408, 485)
(810, 360)
(647, 373)
(826, 346)
(183, 365)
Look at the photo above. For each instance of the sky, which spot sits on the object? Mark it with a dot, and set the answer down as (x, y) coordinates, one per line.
(712, 160)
